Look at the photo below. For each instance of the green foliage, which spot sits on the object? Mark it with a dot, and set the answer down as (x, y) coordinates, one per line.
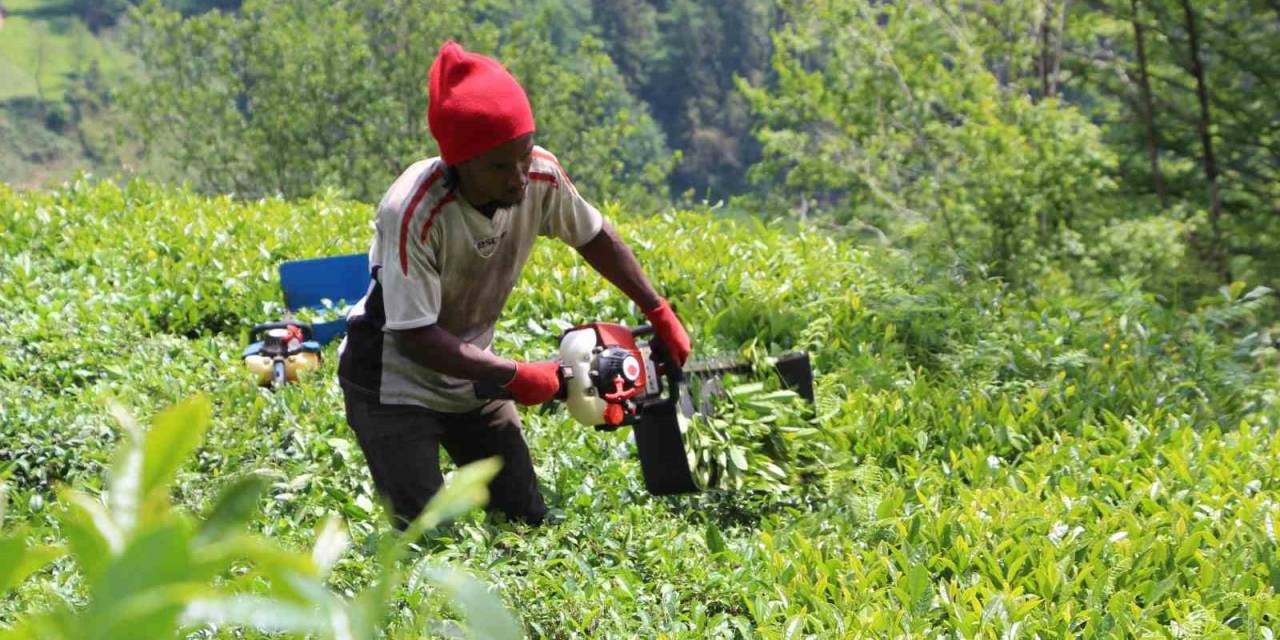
(991, 131)
(885, 115)
(1152, 249)
(754, 439)
(682, 58)
(149, 570)
(292, 97)
(610, 145)
(56, 116)
(47, 42)
(26, 141)
(217, 274)
(1239, 66)
(983, 460)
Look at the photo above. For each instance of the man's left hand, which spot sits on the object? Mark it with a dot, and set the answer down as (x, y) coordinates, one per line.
(670, 331)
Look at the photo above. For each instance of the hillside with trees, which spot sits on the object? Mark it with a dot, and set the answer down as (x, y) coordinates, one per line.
(1031, 247)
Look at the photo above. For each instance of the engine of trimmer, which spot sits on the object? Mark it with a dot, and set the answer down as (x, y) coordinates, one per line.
(605, 377)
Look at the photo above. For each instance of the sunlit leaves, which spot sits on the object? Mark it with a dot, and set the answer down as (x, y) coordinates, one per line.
(981, 461)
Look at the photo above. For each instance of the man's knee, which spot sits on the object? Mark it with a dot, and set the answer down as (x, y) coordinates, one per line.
(514, 491)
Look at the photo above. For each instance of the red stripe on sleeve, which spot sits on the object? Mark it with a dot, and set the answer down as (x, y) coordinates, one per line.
(426, 228)
(544, 177)
(407, 217)
(547, 156)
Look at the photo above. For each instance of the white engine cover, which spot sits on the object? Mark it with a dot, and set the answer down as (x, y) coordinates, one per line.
(577, 350)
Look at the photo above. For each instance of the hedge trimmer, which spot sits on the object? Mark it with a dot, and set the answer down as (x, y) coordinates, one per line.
(608, 380)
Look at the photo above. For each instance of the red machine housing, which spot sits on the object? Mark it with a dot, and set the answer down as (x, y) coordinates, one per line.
(617, 370)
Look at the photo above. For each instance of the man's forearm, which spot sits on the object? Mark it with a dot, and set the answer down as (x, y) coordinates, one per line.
(443, 352)
(613, 259)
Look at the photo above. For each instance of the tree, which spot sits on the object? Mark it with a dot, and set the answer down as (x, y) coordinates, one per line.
(1052, 27)
(99, 14)
(1203, 124)
(1197, 88)
(293, 96)
(602, 135)
(681, 57)
(887, 115)
(633, 37)
(1147, 108)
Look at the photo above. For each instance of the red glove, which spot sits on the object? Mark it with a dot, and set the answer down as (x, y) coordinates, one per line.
(534, 382)
(668, 327)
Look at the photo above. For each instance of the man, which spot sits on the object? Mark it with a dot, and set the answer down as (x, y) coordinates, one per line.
(452, 236)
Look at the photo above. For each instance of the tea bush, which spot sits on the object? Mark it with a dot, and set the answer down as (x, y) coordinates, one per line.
(1068, 457)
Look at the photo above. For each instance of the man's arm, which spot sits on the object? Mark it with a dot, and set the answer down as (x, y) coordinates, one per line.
(613, 259)
(441, 351)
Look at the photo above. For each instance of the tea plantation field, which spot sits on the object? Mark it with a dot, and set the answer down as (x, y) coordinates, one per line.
(1072, 459)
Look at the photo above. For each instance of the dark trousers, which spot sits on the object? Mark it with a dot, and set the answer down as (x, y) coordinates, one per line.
(401, 443)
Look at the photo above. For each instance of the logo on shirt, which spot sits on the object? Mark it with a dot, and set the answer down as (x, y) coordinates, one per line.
(487, 245)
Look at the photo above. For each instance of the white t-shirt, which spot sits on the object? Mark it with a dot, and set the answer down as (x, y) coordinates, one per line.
(439, 261)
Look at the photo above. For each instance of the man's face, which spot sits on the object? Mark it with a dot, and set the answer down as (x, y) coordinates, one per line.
(500, 176)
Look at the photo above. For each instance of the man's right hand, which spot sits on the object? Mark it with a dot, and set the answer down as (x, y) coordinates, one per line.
(534, 382)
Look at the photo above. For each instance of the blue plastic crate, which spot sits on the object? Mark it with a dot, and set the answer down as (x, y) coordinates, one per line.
(342, 280)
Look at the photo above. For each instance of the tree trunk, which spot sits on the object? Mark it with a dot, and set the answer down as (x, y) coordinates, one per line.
(1148, 111)
(1046, 29)
(1057, 47)
(1206, 143)
(1053, 28)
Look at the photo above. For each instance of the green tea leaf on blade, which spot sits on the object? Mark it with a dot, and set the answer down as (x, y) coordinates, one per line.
(483, 612)
(747, 389)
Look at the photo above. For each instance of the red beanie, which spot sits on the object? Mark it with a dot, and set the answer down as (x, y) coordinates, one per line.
(475, 104)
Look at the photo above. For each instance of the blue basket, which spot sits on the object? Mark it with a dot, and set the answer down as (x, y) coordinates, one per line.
(342, 280)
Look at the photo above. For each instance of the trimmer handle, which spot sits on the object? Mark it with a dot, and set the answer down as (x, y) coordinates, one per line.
(661, 355)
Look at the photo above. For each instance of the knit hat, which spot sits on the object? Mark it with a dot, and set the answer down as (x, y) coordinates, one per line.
(475, 104)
